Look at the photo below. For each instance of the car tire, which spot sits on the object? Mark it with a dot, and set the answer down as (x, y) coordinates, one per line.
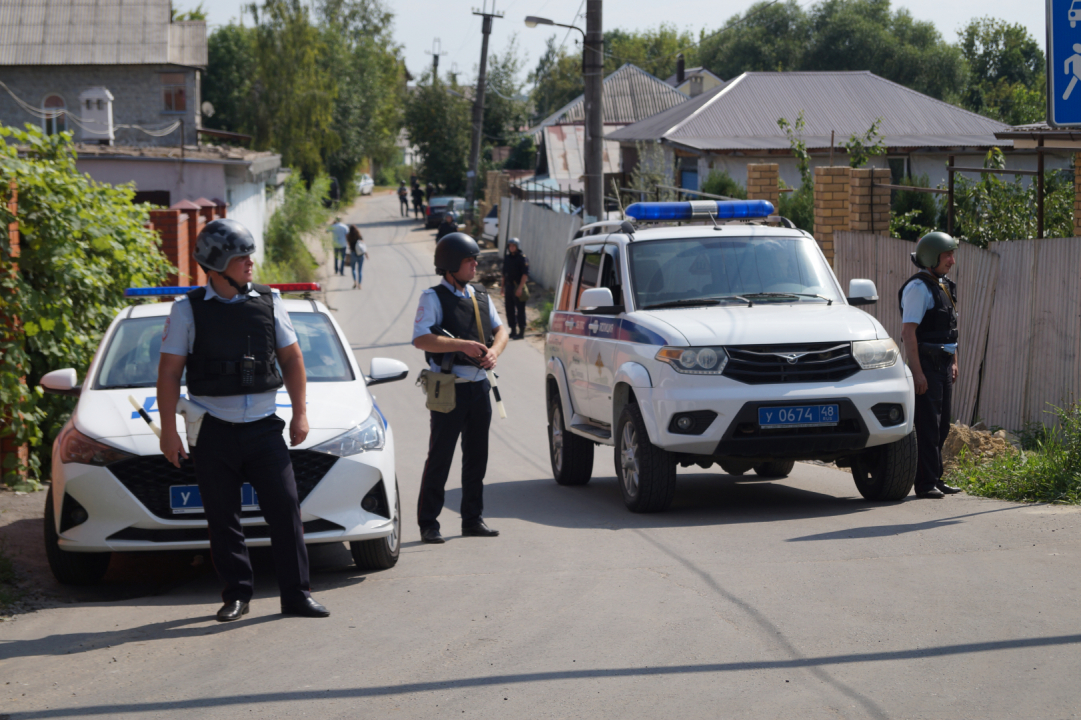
(886, 472)
(774, 468)
(71, 568)
(381, 553)
(571, 455)
(735, 467)
(646, 473)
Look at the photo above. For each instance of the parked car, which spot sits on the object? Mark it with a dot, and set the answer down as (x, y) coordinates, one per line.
(720, 343)
(113, 491)
(491, 224)
(365, 184)
(440, 205)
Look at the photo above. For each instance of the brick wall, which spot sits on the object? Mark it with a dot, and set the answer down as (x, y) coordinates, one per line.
(172, 227)
(762, 182)
(10, 325)
(869, 206)
(831, 199)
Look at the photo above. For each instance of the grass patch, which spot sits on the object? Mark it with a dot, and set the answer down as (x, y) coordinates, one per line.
(545, 311)
(1050, 472)
(9, 592)
(287, 259)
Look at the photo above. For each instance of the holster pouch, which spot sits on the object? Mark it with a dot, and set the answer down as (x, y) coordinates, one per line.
(439, 390)
(193, 418)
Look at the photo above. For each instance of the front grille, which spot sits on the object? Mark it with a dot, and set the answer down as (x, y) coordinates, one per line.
(779, 364)
(251, 532)
(149, 478)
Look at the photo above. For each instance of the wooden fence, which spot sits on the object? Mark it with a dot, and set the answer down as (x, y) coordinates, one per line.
(1020, 320)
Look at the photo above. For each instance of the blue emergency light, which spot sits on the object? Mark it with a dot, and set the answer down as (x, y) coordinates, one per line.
(700, 210)
(167, 291)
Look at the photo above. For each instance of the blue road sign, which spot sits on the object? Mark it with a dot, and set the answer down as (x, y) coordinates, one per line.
(1064, 63)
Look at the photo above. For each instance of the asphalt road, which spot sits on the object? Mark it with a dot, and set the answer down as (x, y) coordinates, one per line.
(791, 599)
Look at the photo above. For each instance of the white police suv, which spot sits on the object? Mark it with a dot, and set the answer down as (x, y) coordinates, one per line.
(728, 342)
(113, 491)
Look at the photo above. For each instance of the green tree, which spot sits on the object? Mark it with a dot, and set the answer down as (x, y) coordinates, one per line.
(227, 85)
(523, 155)
(437, 118)
(861, 148)
(505, 110)
(769, 37)
(1006, 78)
(556, 80)
(798, 206)
(653, 50)
(82, 243)
(196, 13)
(719, 182)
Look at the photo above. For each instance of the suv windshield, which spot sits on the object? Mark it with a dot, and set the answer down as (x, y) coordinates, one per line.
(790, 269)
(131, 360)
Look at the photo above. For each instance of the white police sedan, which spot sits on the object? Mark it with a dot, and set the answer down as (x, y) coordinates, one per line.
(113, 491)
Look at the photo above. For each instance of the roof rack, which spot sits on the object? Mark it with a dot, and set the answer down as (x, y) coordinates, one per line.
(601, 226)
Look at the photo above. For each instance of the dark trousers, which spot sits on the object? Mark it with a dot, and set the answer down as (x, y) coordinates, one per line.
(515, 308)
(226, 456)
(470, 418)
(339, 260)
(403, 203)
(933, 410)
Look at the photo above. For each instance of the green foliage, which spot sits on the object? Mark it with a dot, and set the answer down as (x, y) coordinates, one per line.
(556, 80)
(1050, 473)
(82, 243)
(287, 257)
(794, 131)
(649, 172)
(228, 81)
(523, 155)
(653, 50)
(719, 182)
(196, 13)
(772, 38)
(545, 316)
(862, 148)
(506, 111)
(437, 118)
(913, 214)
(799, 205)
(1006, 71)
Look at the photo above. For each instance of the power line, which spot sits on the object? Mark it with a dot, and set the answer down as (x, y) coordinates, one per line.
(85, 124)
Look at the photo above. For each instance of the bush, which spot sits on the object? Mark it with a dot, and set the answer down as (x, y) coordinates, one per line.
(82, 243)
(1051, 473)
(287, 257)
(720, 182)
(799, 206)
(913, 214)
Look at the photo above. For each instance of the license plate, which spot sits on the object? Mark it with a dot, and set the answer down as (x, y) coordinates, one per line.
(798, 416)
(186, 499)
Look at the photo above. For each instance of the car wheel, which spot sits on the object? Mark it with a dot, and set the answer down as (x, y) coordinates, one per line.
(571, 455)
(735, 467)
(774, 468)
(71, 568)
(381, 553)
(886, 472)
(646, 473)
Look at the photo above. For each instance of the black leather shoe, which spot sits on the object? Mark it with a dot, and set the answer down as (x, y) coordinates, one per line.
(231, 611)
(934, 493)
(948, 489)
(478, 529)
(431, 535)
(308, 607)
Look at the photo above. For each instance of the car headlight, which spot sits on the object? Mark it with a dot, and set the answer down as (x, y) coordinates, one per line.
(694, 360)
(369, 435)
(871, 354)
(78, 448)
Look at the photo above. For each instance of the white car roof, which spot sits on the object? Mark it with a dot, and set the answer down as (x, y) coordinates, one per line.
(155, 309)
(668, 232)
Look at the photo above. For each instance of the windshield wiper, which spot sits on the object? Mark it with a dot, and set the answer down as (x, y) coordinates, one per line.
(697, 302)
(829, 301)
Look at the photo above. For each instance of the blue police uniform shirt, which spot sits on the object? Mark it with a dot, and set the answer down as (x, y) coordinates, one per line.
(916, 300)
(178, 338)
(430, 312)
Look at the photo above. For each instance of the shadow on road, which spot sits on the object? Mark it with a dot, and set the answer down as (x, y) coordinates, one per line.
(876, 531)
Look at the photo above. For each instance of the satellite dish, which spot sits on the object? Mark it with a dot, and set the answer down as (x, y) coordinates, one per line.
(207, 109)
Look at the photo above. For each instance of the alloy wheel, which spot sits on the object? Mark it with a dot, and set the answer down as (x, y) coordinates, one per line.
(629, 458)
(557, 440)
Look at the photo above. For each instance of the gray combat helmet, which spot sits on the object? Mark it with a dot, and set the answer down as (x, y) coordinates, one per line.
(930, 247)
(516, 241)
(221, 241)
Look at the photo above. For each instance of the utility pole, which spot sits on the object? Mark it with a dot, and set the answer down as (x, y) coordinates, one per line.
(593, 75)
(453, 73)
(435, 52)
(478, 102)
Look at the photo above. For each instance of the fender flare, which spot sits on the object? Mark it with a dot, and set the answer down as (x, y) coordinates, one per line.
(634, 375)
(556, 372)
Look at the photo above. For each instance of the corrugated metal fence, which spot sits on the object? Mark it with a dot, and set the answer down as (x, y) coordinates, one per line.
(1020, 319)
(544, 234)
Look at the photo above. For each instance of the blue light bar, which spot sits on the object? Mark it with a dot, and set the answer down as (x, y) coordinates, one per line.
(700, 210)
(157, 292)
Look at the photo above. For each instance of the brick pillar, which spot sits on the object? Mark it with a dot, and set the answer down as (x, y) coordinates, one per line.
(208, 209)
(172, 227)
(196, 223)
(1077, 195)
(8, 446)
(831, 198)
(762, 182)
(869, 206)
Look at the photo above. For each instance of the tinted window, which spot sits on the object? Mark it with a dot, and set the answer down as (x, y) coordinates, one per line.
(591, 271)
(568, 279)
(611, 273)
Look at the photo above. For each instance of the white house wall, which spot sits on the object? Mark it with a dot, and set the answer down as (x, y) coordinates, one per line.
(182, 180)
(247, 205)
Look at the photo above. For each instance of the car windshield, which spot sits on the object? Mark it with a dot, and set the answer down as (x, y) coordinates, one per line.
(681, 271)
(131, 360)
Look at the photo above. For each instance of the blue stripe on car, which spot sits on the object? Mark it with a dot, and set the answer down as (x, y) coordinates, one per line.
(596, 326)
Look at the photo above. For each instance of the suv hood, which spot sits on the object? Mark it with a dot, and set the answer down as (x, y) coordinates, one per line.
(770, 324)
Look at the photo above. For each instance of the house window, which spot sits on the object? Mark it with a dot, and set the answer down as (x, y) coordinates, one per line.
(55, 120)
(175, 92)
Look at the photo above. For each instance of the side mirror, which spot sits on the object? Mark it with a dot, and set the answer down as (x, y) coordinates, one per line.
(598, 301)
(61, 382)
(386, 370)
(862, 292)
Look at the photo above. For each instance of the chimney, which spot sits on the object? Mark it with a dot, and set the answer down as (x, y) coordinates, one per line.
(679, 69)
(96, 109)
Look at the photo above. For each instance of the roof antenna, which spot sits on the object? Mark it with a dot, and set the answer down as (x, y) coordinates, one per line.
(713, 217)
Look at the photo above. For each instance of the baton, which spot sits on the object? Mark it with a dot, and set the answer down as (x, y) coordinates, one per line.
(491, 375)
(144, 415)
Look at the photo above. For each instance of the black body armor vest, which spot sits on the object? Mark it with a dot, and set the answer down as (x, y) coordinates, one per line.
(460, 320)
(224, 334)
(939, 324)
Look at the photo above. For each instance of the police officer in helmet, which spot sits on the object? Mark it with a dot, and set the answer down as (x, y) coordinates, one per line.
(447, 225)
(449, 306)
(227, 337)
(929, 330)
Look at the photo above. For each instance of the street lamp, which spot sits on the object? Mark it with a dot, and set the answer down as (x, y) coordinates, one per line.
(532, 22)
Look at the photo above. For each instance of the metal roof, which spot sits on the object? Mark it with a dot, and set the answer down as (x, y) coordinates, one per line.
(97, 32)
(564, 146)
(630, 94)
(743, 114)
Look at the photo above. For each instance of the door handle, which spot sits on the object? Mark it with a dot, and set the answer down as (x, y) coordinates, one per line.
(593, 326)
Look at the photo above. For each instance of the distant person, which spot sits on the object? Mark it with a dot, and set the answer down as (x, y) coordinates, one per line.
(340, 231)
(358, 252)
(929, 330)
(448, 225)
(418, 201)
(403, 198)
(429, 190)
(515, 277)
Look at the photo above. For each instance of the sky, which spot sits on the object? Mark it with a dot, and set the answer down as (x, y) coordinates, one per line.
(418, 22)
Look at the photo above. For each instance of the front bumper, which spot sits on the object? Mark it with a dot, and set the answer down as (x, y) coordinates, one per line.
(736, 404)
